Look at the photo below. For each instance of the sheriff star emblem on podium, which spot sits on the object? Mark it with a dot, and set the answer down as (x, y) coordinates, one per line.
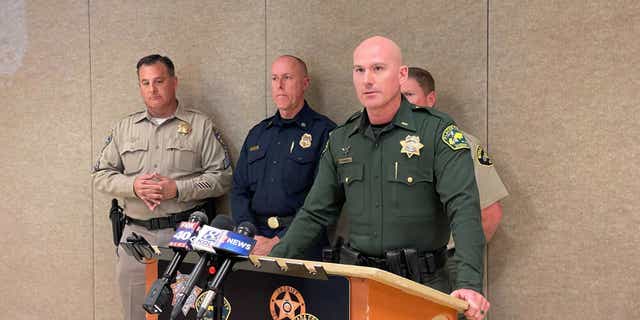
(411, 146)
(286, 303)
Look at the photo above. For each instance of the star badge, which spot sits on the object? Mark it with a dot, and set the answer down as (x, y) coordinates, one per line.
(184, 128)
(411, 146)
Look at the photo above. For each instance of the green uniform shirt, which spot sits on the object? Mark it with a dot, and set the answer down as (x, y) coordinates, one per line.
(408, 188)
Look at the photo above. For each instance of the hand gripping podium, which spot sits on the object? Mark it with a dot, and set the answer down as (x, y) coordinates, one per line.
(274, 288)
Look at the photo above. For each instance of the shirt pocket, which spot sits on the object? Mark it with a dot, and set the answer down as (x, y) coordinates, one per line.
(351, 176)
(182, 154)
(256, 166)
(133, 155)
(412, 191)
(299, 172)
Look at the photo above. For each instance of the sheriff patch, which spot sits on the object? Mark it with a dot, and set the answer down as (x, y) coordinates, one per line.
(454, 138)
(483, 157)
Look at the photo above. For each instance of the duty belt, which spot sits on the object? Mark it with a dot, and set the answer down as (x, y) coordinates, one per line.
(164, 222)
(275, 222)
(407, 262)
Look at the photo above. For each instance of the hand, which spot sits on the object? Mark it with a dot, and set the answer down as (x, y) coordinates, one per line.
(478, 305)
(168, 185)
(264, 245)
(148, 190)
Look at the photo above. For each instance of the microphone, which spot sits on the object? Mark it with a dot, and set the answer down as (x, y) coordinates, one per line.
(160, 294)
(245, 229)
(220, 222)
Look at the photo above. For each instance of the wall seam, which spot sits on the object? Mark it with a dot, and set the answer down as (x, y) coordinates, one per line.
(93, 242)
(266, 102)
(487, 129)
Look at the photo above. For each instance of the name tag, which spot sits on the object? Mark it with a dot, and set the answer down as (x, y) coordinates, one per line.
(345, 160)
(254, 148)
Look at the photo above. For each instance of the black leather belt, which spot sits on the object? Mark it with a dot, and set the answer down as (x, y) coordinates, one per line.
(164, 222)
(274, 222)
(426, 262)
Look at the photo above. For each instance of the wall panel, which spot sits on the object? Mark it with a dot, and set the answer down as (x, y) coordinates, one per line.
(46, 205)
(444, 36)
(218, 50)
(563, 98)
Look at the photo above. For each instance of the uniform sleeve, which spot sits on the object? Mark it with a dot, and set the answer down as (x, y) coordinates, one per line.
(456, 186)
(108, 171)
(215, 180)
(490, 185)
(241, 193)
(320, 209)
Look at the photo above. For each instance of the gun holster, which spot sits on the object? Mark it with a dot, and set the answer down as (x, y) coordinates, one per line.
(349, 256)
(332, 253)
(118, 221)
(394, 262)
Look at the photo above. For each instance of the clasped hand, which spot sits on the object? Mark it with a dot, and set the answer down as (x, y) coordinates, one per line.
(153, 188)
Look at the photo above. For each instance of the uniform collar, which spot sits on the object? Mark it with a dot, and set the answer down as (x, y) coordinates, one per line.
(180, 114)
(304, 118)
(402, 119)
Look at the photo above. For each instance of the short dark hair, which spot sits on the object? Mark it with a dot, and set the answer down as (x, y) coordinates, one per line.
(155, 58)
(299, 61)
(423, 78)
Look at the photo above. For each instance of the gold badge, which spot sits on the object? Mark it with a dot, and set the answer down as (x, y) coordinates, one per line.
(184, 128)
(411, 146)
(273, 222)
(305, 140)
(286, 303)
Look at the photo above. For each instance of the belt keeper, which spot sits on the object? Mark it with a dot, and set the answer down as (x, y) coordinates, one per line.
(430, 261)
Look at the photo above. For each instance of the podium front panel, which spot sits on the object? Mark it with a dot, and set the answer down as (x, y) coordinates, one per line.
(256, 295)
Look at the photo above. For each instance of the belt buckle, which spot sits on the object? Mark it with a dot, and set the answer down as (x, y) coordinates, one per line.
(273, 222)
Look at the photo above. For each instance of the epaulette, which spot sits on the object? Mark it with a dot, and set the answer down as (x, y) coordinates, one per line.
(351, 118)
(267, 120)
(136, 113)
(432, 111)
(193, 110)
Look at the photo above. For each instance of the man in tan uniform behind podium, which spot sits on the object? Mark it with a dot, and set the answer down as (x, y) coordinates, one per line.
(419, 89)
(164, 161)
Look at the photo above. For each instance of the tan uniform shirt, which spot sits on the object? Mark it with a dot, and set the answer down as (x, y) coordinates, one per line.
(185, 148)
(490, 185)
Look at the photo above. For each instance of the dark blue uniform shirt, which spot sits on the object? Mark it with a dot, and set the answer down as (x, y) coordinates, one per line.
(277, 166)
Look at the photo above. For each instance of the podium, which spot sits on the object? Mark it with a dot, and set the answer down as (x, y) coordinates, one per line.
(275, 288)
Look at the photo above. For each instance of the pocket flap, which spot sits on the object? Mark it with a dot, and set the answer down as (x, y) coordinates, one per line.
(253, 156)
(410, 176)
(351, 172)
(134, 145)
(180, 144)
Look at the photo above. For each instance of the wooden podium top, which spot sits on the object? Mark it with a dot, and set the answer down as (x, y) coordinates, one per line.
(384, 277)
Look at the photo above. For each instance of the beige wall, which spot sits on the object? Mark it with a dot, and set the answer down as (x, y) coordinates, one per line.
(550, 86)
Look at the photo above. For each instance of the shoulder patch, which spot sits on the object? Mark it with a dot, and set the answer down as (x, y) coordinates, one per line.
(483, 157)
(454, 138)
(227, 158)
(107, 141)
